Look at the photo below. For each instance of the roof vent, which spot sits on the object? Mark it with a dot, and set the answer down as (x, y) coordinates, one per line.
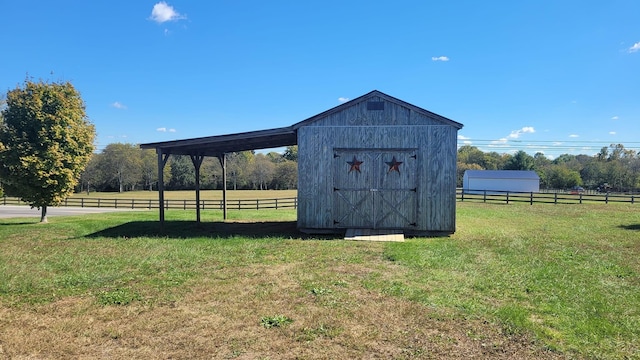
(375, 105)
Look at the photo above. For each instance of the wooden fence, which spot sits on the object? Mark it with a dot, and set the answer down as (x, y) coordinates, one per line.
(292, 203)
(543, 197)
(258, 204)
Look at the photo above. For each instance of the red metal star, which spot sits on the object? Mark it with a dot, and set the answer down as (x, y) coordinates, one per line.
(394, 165)
(354, 164)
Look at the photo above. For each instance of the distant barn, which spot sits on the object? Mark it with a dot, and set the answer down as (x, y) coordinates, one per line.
(375, 162)
(479, 181)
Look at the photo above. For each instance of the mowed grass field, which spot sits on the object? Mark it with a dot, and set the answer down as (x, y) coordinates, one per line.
(514, 281)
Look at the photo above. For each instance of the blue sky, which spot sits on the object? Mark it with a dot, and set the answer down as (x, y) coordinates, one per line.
(558, 76)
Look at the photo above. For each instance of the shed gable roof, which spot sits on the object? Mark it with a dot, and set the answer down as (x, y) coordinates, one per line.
(369, 96)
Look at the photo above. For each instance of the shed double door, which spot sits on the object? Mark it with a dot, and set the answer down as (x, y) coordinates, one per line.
(375, 188)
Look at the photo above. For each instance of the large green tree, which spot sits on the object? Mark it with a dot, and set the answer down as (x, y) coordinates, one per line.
(46, 140)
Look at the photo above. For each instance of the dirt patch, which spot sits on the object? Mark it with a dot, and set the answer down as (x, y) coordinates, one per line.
(219, 318)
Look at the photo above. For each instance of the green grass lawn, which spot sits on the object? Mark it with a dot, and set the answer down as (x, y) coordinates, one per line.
(514, 281)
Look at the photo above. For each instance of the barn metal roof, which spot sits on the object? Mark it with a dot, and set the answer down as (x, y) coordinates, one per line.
(270, 138)
(502, 174)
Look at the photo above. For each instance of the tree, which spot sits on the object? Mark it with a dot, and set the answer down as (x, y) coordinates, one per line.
(237, 167)
(149, 168)
(122, 165)
(520, 161)
(262, 172)
(47, 140)
(561, 177)
(291, 153)
(286, 175)
(92, 173)
(183, 174)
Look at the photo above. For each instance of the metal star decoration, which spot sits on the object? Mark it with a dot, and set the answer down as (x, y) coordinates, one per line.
(394, 165)
(354, 164)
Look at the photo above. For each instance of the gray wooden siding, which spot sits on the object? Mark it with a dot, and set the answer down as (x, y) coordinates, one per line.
(435, 170)
(358, 115)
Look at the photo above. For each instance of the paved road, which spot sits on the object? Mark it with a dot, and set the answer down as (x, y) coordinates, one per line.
(12, 211)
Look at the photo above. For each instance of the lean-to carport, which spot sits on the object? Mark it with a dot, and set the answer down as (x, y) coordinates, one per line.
(216, 146)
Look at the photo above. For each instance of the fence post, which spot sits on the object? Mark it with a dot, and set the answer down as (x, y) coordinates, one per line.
(184, 205)
(257, 204)
(507, 197)
(531, 199)
(132, 204)
(581, 198)
(462, 195)
(555, 198)
(632, 197)
(484, 198)
(606, 198)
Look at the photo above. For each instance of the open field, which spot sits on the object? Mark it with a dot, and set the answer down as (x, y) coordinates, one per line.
(515, 281)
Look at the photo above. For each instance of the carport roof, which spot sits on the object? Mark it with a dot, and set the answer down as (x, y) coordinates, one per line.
(221, 144)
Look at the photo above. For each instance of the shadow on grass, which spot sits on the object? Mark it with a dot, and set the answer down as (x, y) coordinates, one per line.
(631, 227)
(191, 229)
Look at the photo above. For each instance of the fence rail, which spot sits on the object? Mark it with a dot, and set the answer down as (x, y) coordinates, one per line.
(257, 204)
(292, 202)
(543, 197)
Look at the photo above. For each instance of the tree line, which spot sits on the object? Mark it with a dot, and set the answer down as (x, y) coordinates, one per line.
(614, 167)
(126, 167)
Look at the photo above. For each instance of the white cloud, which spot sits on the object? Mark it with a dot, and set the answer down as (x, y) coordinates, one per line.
(172, 130)
(164, 129)
(440, 58)
(119, 105)
(516, 133)
(635, 48)
(615, 118)
(163, 12)
(499, 142)
(612, 132)
(343, 99)
(465, 140)
(574, 136)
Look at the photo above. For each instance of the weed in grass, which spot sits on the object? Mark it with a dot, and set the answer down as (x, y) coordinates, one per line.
(275, 321)
(320, 291)
(118, 297)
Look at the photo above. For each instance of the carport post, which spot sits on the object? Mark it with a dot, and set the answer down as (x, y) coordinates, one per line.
(162, 161)
(223, 163)
(197, 162)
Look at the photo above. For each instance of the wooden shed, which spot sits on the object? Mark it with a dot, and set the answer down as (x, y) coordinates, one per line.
(377, 162)
(480, 181)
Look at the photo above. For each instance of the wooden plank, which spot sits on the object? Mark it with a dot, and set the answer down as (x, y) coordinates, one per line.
(374, 235)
